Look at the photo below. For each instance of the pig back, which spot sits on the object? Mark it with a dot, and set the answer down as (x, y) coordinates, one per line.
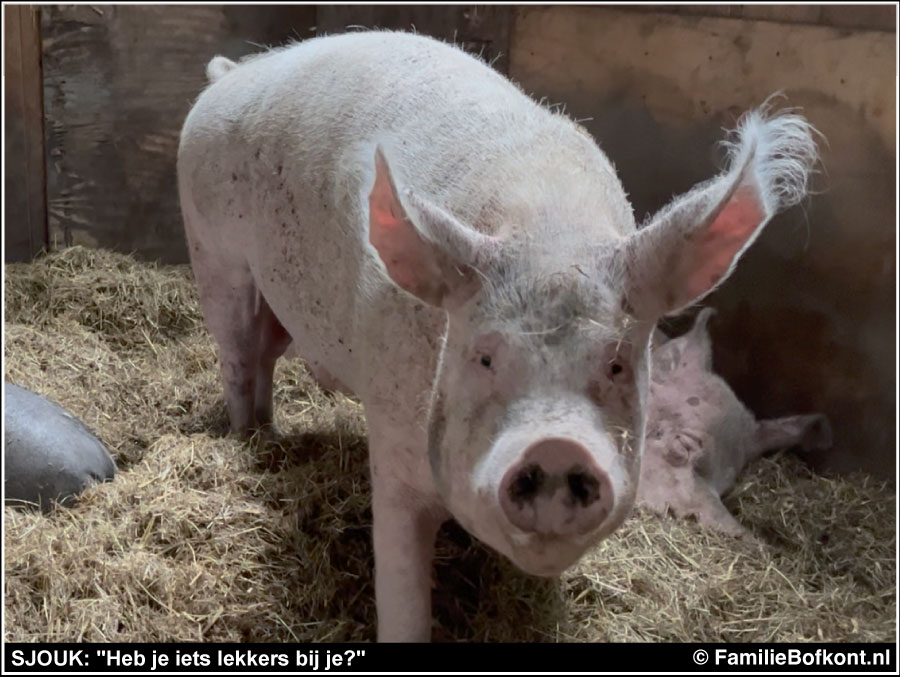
(278, 155)
(454, 130)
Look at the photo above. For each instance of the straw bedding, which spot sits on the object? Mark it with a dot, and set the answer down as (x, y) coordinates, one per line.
(204, 538)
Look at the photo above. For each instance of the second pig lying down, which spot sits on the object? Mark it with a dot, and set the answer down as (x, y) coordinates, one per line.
(700, 436)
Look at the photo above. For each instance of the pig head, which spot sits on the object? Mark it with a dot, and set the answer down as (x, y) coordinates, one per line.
(699, 434)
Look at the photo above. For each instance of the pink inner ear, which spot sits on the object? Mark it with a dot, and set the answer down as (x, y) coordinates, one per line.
(407, 257)
(722, 240)
(398, 245)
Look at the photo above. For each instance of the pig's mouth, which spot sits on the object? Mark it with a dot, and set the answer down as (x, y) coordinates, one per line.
(543, 555)
(535, 554)
(547, 556)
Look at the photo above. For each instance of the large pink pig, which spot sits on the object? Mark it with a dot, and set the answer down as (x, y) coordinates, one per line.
(465, 261)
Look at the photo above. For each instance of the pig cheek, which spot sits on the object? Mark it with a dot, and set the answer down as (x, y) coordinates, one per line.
(442, 422)
(640, 403)
(620, 404)
(451, 446)
(465, 420)
(472, 445)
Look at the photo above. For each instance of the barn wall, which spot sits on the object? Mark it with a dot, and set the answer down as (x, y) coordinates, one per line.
(25, 201)
(807, 321)
(118, 83)
(856, 15)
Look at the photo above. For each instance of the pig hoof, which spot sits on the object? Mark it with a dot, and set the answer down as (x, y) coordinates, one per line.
(241, 434)
(263, 435)
(818, 434)
(265, 431)
(684, 448)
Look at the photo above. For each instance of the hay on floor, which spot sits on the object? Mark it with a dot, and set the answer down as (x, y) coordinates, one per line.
(203, 538)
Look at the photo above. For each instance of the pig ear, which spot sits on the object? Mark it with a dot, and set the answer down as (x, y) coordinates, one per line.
(667, 357)
(699, 344)
(658, 338)
(809, 432)
(424, 250)
(692, 350)
(692, 244)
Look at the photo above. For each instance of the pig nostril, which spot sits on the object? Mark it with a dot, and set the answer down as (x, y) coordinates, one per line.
(556, 489)
(527, 484)
(584, 487)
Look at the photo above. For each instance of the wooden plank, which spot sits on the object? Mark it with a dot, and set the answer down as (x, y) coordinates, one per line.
(872, 17)
(479, 29)
(723, 11)
(118, 83)
(853, 16)
(25, 233)
(809, 14)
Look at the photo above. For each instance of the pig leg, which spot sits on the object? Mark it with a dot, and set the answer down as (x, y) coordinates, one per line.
(229, 300)
(273, 342)
(229, 311)
(405, 524)
(676, 488)
(404, 536)
(809, 432)
(710, 511)
(686, 447)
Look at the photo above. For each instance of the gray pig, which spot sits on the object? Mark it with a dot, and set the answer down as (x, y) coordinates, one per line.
(699, 434)
(49, 455)
(461, 259)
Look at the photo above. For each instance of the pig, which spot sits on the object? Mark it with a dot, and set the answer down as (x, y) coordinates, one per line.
(49, 455)
(464, 261)
(700, 436)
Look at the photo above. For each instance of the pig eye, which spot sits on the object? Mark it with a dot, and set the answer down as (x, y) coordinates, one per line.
(487, 351)
(615, 369)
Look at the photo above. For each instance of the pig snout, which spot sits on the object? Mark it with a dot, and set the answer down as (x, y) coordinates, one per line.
(556, 489)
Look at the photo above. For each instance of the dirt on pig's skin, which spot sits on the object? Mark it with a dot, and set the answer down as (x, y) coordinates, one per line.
(204, 538)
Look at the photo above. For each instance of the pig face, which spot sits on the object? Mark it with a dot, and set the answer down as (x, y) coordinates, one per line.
(536, 422)
(536, 414)
(533, 447)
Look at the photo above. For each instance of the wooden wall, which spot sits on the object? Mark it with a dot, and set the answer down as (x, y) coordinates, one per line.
(806, 323)
(25, 207)
(878, 17)
(118, 83)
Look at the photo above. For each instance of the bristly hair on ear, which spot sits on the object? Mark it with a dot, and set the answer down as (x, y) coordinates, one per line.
(784, 150)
